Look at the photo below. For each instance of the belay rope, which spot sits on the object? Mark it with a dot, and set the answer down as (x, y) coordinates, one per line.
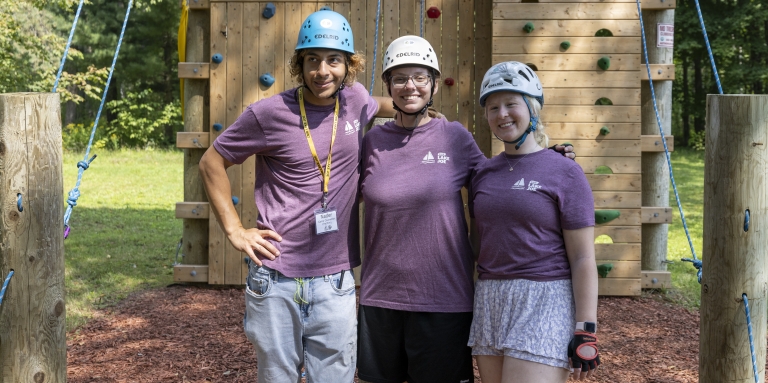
(83, 165)
(5, 286)
(66, 49)
(375, 48)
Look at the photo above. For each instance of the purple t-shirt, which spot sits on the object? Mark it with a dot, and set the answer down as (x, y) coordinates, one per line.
(520, 214)
(417, 254)
(288, 183)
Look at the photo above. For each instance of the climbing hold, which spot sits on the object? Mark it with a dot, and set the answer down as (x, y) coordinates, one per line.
(603, 33)
(605, 216)
(217, 127)
(193, 273)
(566, 143)
(433, 12)
(602, 169)
(21, 208)
(326, 8)
(603, 101)
(266, 79)
(604, 131)
(746, 220)
(449, 81)
(269, 11)
(235, 200)
(217, 58)
(528, 27)
(565, 45)
(604, 269)
(604, 63)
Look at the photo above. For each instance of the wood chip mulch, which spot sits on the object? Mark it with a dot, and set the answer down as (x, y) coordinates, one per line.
(192, 334)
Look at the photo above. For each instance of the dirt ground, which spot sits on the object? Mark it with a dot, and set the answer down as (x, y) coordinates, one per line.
(191, 334)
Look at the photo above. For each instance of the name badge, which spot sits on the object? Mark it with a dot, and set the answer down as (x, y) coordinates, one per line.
(325, 221)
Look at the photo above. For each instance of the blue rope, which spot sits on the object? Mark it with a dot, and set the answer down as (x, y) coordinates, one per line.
(5, 286)
(709, 49)
(74, 194)
(696, 262)
(66, 50)
(751, 338)
(375, 49)
(422, 19)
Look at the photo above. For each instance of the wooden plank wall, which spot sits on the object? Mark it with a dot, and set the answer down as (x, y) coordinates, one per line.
(573, 82)
(252, 45)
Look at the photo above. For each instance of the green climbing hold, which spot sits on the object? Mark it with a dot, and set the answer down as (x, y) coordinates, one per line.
(604, 131)
(605, 216)
(528, 28)
(604, 63)
(604, 269)
(565, 45)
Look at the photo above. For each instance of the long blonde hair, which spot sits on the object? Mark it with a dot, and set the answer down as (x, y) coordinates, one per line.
(541, 137)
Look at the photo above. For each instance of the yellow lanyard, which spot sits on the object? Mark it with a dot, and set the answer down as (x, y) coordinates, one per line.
(327, 172)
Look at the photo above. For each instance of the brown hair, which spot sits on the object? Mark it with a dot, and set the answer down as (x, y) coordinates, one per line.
(355, 64)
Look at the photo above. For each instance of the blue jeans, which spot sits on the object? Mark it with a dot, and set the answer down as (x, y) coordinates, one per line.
(301, 322)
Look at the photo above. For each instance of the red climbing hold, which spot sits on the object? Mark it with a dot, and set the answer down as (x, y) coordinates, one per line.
(449, 81)
(433, 12)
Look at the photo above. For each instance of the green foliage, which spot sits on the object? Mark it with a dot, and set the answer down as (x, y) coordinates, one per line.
(697, 140)
(124, 232)
(141, 120)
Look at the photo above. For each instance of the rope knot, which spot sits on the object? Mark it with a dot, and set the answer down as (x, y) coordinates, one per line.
(697, 264)
(83, 165)
(74, 194)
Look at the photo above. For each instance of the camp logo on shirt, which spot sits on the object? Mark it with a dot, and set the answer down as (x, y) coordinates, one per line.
(520, 185)
(442, 158)
(349, 129)
(534, 185)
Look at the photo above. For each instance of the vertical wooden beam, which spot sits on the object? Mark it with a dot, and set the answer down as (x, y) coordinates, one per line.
(195, 233)
(449, 59)
(655, 188)
(218, 115)
(390, 30)
(433, 31)
(33, 345)
(483, 48)
(292, 22)
(234, 259)
(465, 81)
(371, 41)
(735, 254)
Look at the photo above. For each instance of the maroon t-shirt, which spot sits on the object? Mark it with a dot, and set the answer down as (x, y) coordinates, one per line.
(289, 184)
(417, 253)
(520, 214)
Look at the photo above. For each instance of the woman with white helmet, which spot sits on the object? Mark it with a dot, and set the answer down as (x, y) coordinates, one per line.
(417, 278)
(535, 307)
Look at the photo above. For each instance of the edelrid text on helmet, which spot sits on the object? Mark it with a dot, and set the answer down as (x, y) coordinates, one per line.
(328, 30)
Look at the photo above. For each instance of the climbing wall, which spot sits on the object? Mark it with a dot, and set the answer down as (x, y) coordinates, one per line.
(254, 42)
(587, 55)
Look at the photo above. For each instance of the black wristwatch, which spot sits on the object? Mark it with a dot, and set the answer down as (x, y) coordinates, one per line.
(587, 326)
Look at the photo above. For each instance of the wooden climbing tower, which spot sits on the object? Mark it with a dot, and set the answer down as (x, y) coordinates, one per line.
(471, 35)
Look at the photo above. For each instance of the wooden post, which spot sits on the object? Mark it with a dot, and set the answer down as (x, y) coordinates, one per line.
(33, 345)
(195, 234)
(655, 171)
(734, 255)
(483, 49)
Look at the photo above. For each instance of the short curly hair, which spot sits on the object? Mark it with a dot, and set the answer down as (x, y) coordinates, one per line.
(355, 64)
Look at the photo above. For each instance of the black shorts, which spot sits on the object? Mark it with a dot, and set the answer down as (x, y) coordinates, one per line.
(395, 346)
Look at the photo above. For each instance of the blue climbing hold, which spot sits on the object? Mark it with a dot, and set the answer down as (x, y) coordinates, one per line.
(326, 8)
(746, 220)
(217, 127)
(267, 80)
(235, 200)
(269, 11)
(217, 58)
(19, 201)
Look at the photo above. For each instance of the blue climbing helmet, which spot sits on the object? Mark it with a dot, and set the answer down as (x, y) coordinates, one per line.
(328, 30)
(513, 76)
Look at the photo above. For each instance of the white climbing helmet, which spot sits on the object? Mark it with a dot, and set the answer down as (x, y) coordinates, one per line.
(410, 50)
(511, 76)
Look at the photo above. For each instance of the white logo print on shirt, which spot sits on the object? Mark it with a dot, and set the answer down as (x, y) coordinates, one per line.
(349, 129)
(534, 185)
(428, 159)
(442, 158)
(519, 185)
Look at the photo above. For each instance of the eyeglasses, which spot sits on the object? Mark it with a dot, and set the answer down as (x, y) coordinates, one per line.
(419, 80)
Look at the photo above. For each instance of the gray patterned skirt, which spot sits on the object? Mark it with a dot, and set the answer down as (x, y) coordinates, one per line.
(523, 319)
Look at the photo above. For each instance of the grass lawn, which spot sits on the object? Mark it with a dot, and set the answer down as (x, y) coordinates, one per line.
(124, 232)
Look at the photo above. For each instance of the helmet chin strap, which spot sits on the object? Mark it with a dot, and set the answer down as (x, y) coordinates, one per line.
(531, 128)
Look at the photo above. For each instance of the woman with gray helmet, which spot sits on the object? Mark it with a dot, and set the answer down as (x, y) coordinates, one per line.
(535, 307)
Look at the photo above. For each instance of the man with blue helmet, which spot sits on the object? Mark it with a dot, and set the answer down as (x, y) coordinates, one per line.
(300, 291)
